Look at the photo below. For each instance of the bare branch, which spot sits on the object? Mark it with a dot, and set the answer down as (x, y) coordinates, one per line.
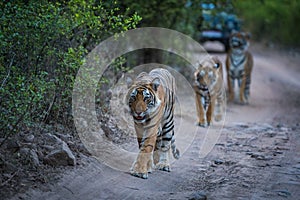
(8, 74)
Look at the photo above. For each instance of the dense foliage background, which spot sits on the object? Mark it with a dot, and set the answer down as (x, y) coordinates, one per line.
(273, 21)
(42, 46)
(43, 43)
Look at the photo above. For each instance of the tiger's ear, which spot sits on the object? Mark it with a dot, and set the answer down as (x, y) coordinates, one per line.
(248, 35)
(217, 65)
(129, 81)
(155, 84)
(233, 32)
(142, 74)
(196, 74)
(217, 62)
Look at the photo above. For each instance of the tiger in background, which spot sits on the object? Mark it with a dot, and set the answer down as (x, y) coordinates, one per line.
(151, 101)
(209, 92)
(239, 64)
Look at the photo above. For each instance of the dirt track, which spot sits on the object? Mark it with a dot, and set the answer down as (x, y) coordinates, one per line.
(256, 157)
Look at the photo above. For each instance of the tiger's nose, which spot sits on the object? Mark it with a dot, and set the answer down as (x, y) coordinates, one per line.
(138, 112)
(139, 108)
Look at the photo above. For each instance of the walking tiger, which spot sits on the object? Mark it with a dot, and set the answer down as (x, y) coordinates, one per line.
(239, 64)
(151, 100)
(209, 93)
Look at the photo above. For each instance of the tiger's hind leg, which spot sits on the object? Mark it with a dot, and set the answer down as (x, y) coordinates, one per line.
(248, 71)
(219, 107)
(175, 151)
(230, 84)
(230, 80)
(201, 105)
(162, 160)
(243, 87)
(210, 111)
(248, 79)
(247, 88)
(163, 146)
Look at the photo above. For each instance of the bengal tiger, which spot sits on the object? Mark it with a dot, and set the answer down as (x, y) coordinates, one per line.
(151, 103)
(209, 92)
(239, 64)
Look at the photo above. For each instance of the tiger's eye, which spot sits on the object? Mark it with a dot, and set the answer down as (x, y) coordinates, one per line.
(147, 100)
(202, 73)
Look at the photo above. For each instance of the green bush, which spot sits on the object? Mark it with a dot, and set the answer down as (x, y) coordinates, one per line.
(42, 45)
(272, 20)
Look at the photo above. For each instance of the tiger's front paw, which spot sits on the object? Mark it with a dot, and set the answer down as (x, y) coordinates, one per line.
(139, 175)
(163, 166)
(244, 102)
(230, 97)
(218, 117)
(138, 171)
(203, 124)
(244, 99)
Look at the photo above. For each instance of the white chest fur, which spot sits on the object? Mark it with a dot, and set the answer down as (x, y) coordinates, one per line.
(237, 65)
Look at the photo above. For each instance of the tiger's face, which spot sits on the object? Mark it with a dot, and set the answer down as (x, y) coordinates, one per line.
(207, 74)
(143, 101)
(239, 41)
